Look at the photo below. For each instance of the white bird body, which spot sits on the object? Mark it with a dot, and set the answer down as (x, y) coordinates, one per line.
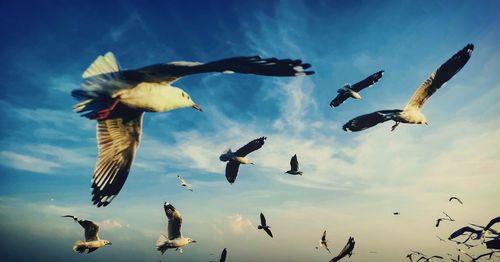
(80, 245)
(184, 183)
(154, 97)
(351, 92)
(411, 116)
(230, 155)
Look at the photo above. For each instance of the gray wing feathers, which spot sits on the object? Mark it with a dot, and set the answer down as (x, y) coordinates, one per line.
(438, 78)
(118, 139)
(174, 221)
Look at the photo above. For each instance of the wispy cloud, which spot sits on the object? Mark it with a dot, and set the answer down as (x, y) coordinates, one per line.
(27, 163)
(239, 224)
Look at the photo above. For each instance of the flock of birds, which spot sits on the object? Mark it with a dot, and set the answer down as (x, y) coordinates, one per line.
(117, 99)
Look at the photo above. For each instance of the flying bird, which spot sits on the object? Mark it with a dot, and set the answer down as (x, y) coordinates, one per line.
(264, 226)
(428, 259)
(474, 259)
(457, 199)
(92, 241)
(396, 213)
(411, 114)
(118, 98)
(447, 218)
(294, 166)
(234, 159)
(353, 91)
(323, 243)
(478, 233)
(184, 183)
(175, 239)
(346, 251)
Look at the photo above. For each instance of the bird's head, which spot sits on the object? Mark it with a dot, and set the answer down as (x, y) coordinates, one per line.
(107, 243)
(190, 240)
(178, 98)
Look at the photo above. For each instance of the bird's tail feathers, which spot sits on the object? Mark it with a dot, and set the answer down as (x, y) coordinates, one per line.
(160, 243)
(79, 246)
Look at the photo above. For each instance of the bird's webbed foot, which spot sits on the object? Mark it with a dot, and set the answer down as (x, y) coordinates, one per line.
(180, 250)
(394, 126)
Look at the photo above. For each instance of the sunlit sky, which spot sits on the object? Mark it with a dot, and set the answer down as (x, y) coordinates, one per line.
(352, 182)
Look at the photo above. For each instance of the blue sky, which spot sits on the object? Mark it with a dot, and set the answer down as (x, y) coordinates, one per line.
(352, 182)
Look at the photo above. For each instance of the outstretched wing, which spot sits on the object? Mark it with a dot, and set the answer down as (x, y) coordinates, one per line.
(232, 170)
(268, 231)
(367, 82)
(262, 219)
(223, 255)
(456, 198)
(366, 121)
(118, 138)
(340, 98)
(346, 251)
(174, 221)
(294, 164)
(438, 78)
(91, 229)
(256, 65)
(463, 230)
(250, 147)
(327, 249)
(323, 238)
(491, 223)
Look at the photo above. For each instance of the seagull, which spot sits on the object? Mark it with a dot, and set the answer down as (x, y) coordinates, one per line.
(294, 166)
(234, 159)
(174, 238)
(456, 198)
(346, 251)
(92, 241)
(264, 226)
(323, 241)
(474, 259)
(184, 183)
(118, 98)
(478, 233)
(411, 114)
(396, 213)
(428, 259)
(448, 218)
(353, 91)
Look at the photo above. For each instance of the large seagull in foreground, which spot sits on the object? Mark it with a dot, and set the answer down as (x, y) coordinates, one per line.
(118, 98)
(411, 114)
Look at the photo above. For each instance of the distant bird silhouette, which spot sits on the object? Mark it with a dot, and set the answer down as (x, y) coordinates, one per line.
(396, 213)
(323, 242)
(234, 159)
(118, 98)
(92, 241)
(429, 259)
(457, 199)
(294, 166)
(264, 226)
(185, 184)
(353, 91)
(346, 251)
(411, 114)
(175, 239)
(478, 233)
(447, 218)
(474, 259)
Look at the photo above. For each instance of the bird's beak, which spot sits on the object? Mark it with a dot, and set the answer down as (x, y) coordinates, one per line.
(197, 107)
(110, 243)
(193, 241)
(426, 124)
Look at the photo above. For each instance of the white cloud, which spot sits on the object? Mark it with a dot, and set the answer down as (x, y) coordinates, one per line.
(111, 224)
(27, 163)
(239, 224)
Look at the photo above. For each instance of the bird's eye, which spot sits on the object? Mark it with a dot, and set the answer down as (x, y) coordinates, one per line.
(189, 97)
